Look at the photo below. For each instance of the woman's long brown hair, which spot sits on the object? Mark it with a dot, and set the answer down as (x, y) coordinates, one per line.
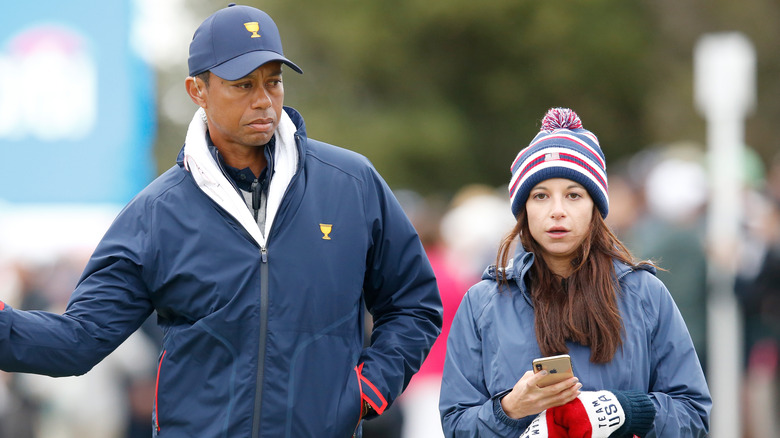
(583, 307)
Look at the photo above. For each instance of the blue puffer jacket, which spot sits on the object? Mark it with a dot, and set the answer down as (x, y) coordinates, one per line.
(492, 343)
(257, 342)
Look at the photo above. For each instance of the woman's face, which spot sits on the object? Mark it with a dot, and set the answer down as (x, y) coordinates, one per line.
(559, 212)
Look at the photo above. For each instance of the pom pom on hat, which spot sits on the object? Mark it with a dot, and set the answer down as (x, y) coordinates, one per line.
(561, 149)
(561, 118)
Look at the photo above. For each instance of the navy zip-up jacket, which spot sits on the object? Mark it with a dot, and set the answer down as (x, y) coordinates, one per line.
(258, 341)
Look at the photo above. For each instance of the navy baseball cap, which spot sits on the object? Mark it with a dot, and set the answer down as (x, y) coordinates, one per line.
(234, 41)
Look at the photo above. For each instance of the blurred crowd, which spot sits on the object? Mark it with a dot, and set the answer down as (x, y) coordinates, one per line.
(113, 400)
(658, 207)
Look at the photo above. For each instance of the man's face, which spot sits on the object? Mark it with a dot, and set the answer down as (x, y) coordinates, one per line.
(245, 112)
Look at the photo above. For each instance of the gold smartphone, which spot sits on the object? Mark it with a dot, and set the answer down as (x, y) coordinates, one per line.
(558, 369)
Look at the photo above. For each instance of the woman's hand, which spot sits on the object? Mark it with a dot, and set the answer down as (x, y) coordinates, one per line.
(527, 398)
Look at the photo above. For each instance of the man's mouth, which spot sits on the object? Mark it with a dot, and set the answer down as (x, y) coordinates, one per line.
(261, 124)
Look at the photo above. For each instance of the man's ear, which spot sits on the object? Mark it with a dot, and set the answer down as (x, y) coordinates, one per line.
(195, 89)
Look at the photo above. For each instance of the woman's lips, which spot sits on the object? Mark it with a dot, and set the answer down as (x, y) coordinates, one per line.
(557, 231)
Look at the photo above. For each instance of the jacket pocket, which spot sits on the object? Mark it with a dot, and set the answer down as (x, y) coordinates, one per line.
(196, 394)
(155, 413)
(369, 392)
(359, 395)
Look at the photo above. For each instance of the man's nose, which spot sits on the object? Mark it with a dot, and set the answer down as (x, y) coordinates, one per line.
(261, 98)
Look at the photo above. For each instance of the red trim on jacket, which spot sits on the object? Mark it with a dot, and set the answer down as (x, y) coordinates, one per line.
(382, 404)
(156, 392)
(360, 388)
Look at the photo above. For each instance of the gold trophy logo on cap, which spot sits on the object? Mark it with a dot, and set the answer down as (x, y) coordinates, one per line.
(253, 26)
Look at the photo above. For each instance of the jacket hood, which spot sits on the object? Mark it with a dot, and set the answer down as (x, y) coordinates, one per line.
(518, 267)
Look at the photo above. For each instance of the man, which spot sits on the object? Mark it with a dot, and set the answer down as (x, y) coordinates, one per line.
(259, 251)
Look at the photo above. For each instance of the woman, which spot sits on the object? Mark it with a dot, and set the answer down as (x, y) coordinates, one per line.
(571, 288)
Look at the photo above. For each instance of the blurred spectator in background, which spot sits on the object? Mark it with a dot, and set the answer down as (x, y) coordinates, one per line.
(472, 228)
(628, 206)
(673, 231)
(659, 199)
(758, 289)
(420, 402)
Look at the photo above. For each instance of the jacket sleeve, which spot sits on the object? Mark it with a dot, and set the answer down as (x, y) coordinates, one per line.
(467, 407)
(400, 293)
(109, 303)
(677, 384)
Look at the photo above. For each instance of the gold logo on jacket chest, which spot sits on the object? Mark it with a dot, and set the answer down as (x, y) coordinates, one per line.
(326, 229)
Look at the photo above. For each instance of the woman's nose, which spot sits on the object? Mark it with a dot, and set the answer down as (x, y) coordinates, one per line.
(557, 209)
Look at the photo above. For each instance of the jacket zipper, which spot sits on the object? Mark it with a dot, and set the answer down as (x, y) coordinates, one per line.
(263, 319)
(264, 309)
(263, 316)
(262, 340)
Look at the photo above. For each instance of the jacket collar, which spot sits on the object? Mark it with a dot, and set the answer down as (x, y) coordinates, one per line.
(198, 160)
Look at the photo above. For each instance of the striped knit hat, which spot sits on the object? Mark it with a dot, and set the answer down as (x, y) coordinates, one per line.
(562, 149)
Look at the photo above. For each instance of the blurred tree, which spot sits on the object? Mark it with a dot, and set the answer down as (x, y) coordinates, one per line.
(442, 94)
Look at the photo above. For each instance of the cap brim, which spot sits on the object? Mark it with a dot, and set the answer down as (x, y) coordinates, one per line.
(242, 65)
